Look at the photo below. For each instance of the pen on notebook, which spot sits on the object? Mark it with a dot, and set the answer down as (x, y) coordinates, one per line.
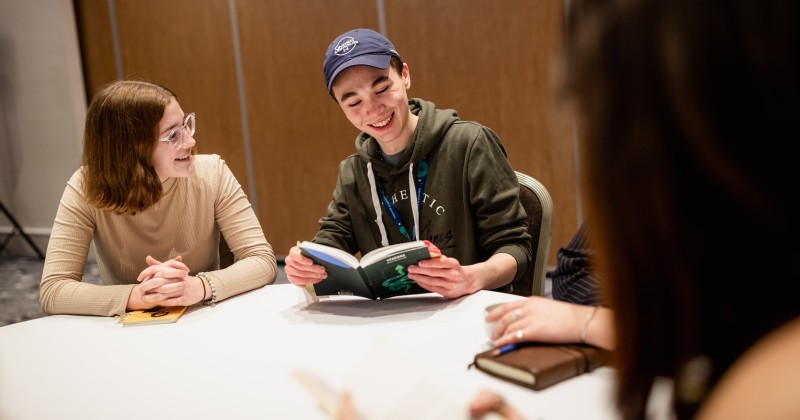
(503, 350)
(498, 352)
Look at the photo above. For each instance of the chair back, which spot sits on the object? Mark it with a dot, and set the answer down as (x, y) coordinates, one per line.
(538, 205)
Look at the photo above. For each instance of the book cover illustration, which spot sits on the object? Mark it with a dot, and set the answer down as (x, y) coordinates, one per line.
(157, 315)
(380, 274)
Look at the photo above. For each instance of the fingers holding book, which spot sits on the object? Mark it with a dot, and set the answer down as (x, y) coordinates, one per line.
(443, 275)
(301, 270)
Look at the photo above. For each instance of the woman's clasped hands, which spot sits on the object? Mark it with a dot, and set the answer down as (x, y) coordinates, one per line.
(166, 284)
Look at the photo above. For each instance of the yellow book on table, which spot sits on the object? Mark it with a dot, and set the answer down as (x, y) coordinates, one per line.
(157, 315)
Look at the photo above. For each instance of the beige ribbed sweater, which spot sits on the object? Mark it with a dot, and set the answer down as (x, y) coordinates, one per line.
(186, 221)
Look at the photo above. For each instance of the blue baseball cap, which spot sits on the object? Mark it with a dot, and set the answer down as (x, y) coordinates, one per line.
(357, 47)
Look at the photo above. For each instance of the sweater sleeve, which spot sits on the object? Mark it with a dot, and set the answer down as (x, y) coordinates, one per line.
(254, 260)
(494, 195)
(62, 290)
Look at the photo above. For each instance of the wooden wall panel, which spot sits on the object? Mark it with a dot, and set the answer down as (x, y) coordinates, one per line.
(97, 45)
(299, 133)
(492, 61)
(489, 60)
(186, 46)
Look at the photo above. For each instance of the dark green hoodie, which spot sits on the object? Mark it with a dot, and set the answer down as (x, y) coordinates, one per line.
(470, 205)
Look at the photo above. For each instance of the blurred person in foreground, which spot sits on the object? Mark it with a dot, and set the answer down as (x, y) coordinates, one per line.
(684, 107)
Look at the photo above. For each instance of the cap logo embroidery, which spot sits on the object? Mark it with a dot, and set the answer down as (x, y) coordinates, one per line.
(345, 45)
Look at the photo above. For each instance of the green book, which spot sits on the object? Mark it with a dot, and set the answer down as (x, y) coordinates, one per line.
(381, 273)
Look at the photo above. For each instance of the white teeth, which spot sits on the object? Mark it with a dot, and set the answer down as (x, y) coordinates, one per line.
(183, 157)
(383, 123)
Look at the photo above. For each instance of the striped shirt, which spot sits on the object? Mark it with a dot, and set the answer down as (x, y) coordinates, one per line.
(574, 279)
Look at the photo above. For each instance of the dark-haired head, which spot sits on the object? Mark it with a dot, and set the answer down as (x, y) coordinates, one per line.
(685, 108)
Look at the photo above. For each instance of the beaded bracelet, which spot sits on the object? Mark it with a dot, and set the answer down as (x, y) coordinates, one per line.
(585, 329)
(213, 301)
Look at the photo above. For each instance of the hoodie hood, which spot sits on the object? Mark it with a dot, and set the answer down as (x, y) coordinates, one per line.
(432, 125)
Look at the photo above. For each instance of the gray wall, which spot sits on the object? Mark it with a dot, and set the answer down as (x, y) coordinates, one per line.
(42, 108)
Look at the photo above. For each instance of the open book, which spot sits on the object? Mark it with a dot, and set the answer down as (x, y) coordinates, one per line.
(157, 315)
(538, 365)
(381, 273)
(391, 381)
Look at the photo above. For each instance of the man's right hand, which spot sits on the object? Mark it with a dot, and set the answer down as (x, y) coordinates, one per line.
(301, 270)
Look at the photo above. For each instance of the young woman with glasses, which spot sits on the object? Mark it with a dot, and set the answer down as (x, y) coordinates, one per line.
(154, 210)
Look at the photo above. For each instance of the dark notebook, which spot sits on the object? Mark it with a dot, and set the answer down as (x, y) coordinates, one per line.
(538, 366)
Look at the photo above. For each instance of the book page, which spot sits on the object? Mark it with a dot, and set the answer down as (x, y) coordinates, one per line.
(389, 383)
(381, 253)
(325, 395)
(330, 254)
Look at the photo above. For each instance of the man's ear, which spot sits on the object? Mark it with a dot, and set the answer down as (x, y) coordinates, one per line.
(406, 76)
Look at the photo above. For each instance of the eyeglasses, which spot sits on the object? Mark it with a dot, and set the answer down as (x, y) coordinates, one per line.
(177, 136)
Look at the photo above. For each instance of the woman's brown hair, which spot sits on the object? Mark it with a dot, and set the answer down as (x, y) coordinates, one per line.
(120, 135)
(686, 106)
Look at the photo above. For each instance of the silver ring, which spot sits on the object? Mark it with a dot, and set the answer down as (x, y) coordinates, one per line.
(517, 314)
(519, 335)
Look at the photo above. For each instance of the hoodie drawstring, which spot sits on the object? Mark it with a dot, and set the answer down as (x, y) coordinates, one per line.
(414, 202)
(377, 205)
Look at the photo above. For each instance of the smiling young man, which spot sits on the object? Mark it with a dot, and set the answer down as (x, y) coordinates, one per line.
(419, 173)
